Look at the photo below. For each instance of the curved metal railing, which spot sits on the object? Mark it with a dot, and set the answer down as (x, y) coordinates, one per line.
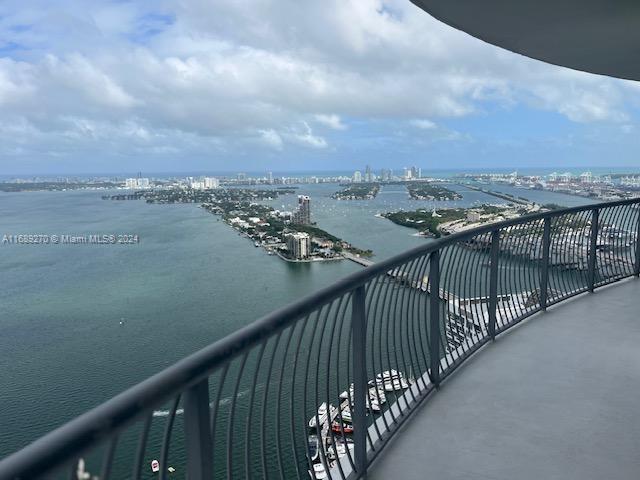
(319, 387)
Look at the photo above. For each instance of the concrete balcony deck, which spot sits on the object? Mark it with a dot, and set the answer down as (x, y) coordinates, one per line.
(555, 398)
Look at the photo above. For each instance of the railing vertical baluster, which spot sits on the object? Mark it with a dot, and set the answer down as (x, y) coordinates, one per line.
(544, 272)
(358, 344)
(636, 269)
(434, 317)
(493, 283)
(197, 433)
(593, 243)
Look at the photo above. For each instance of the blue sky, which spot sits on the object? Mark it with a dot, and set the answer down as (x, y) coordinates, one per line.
(225, 85)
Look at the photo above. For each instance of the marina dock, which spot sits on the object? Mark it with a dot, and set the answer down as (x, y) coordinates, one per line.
(365, 262)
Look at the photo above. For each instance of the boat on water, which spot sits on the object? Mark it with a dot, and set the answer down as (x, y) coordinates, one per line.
(318, 471)
(339, 449)
(336, 427)
(313, 447)
(346, 414)
(391, 380)
(322, 415)
(375, 398)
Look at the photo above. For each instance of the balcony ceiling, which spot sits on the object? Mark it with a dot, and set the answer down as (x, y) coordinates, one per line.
(597, 36)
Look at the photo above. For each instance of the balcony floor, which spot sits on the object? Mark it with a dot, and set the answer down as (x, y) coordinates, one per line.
(555, 398)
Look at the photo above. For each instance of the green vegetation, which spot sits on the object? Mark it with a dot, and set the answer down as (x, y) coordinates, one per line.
(360, 191)
(221, 195)
(552, 206)
(429, 191)
(240, 208)
(490, 209)
(314, 232)
(424, 220)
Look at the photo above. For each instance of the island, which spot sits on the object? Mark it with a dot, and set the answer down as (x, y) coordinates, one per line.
(430, 191)
(280, 233)
(452, 220)
(427, 222)
(359, 191)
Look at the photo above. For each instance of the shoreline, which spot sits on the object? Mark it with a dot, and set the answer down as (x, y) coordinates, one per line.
(310, 260)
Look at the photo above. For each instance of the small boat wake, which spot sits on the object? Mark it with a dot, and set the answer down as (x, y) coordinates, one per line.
(180, 411)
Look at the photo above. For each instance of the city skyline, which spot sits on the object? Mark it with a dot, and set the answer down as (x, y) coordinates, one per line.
(127, 87)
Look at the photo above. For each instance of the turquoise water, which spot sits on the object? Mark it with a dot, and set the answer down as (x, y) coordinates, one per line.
(81, 323)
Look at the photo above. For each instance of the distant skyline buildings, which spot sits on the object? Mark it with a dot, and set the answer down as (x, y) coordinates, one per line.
(137, 183)
(320, 176)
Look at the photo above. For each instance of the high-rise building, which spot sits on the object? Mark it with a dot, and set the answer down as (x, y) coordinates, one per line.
(138, 182)
(270, 177)
(242, 176)
(302, 215)
(368, 177)
(299, 245)
(211, 182)
(357, 177)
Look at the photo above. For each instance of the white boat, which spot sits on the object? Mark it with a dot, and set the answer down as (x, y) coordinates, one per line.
(346, 414)
(322, 416)
(341, 448)
(391, 380)
(318, 471)
(375, 399)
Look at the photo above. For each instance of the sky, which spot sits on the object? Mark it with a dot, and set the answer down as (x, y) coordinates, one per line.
(258, 85)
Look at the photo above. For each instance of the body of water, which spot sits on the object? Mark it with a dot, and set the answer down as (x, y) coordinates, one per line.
(81, 323)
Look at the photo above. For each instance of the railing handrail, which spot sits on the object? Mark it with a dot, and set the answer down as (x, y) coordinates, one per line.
(87, 430)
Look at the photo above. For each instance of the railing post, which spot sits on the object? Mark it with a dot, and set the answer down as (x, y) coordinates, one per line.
(493, 283)
(544, 271)
(637, 263)
(197, 432)
(593, 243)
(358, 344)
(434, 317)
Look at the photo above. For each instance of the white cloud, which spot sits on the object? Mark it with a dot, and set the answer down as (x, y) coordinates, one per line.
(331, 121)
(222, 74)
(423, 123)
(307, 138)
(271, 138)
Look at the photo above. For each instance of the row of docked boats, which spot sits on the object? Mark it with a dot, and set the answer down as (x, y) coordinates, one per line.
(332, 426)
